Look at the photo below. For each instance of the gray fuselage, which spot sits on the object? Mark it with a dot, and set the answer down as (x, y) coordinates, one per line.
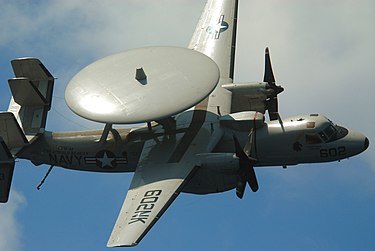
(302, 139)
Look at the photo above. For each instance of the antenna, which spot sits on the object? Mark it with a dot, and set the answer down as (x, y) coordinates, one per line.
(45, 177)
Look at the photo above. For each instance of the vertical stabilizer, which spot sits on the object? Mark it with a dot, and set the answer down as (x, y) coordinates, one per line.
(6, 171)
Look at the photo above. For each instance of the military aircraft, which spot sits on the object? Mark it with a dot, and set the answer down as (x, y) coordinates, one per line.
(203, 134)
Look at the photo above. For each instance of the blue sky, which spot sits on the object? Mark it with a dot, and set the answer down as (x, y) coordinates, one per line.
(323, 53)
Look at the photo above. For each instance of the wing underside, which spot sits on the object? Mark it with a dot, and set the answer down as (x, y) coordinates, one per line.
(152, 190)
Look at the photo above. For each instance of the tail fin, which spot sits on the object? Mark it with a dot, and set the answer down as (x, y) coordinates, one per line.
(6, 171)
(26, 117)
(11, 137)
(32, 90)
(11, 133)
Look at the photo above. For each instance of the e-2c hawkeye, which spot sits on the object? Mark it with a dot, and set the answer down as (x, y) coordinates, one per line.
(203, 133)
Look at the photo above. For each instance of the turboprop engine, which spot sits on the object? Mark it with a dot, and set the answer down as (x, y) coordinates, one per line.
(218, 172)
(257, 96)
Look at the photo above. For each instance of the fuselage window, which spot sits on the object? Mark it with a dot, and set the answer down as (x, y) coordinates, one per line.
(310, 125)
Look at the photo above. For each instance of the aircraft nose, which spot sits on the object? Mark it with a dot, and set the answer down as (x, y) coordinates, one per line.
(355, 143)
(367, 143)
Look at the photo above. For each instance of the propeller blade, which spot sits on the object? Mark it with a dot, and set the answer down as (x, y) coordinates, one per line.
(272, 102)
(252, 179)
(268, 73)
(239, 151)
(246, 170)
(240, 188)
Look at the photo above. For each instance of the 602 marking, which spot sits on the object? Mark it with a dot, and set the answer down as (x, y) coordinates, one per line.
(333, 152)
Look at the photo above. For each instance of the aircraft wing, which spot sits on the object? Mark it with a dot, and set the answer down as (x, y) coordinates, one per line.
(215, 35)
(153, 189)
(167, 164)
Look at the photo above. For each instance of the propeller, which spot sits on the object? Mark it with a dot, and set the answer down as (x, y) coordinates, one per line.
(272, 104)
(246, 173)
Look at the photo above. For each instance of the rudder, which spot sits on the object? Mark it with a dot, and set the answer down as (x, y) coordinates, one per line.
(6, 171)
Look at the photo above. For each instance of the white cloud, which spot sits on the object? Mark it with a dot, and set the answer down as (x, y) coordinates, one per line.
(10, 228)
(95, 27)
(68, 35)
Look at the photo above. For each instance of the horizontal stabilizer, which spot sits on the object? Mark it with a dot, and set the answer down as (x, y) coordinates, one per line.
(6, 171)
(31, 68)
(37, 74)
(11, 132)
(25, 92)
(32, 90)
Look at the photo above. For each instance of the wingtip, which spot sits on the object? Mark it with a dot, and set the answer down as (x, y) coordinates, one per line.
(117, 241)
(118, 245)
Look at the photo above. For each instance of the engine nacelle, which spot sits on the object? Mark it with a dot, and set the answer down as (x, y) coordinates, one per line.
(250, 96)
(243, 121)
(249, 89)
(217, 162)
(218, 172)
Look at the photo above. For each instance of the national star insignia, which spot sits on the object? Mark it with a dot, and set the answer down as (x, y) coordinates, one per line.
(105, 160)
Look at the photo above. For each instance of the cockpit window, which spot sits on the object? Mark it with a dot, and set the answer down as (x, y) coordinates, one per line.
(323, 136)
(329, 131)
(332, 133)
(328, 134)
(313, 139)
(341, 133)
